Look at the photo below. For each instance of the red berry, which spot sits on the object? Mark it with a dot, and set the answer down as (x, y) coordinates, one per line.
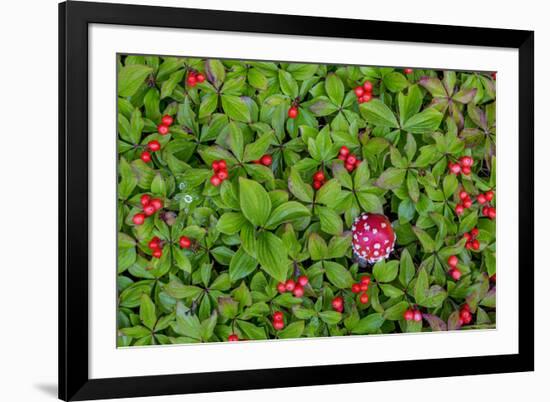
(298, 291)
(167, 120)
(344, 151)
(303, 280)
(222, 174)
(463, 195)
(364, 298)
(200, 77)
(350, 167)
(408, 315)
(157, 203)
(408, 70)
(417, 316)
(466, 170)
(494, 75)
(185, 242)
(278, 316)
(233, 338)
(466, 161)
(281, 288)
(467, 203)
(145, 157)
(455, 274)
(138, 219)
(342, 157)
(367, 86)
(351, 159)
(359, 91)
(489, 195)
(452, 261)
(364, 286)
(154, 243)
(222, 164)
(459, 209)
(469, 245)
(485, 211)
(145, 199)
(290, 285)
(467, 236)
(153, 145)
(157, 253)
(365, 280)
(278, 325)
(192, 80)
(317, 184)
(293, 112)
(149, 209)
(466, 316)
(215, 180)
(366, 98)
(454, 168)
(319, 176)
(474, 232)
(481, 199)
(163, 129)
(492, 213)
(216, 166)
(356, 288)
(266, 160)
(475, 244)
(337, 303)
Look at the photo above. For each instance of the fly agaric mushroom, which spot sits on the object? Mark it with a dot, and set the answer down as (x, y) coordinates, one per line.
(373, 238)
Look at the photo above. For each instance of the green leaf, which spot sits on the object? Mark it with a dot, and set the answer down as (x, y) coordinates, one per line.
(255, 202)
(251, 331)
(396, 311)
(406, 268)
(131, 77)
(334, 88)
(293, 330)
(426, 121)
(147, 313)
(235, 108)
(370, 202)
(209, 103)
(330, 317)
(236, 140)
(288, 84)
(215, 72)
(421, 286)
(338, 275)
(231, 223)
(395, 81)
(385, 271)
(450, 184)
(228, 307)
(369, 324)
(391, 178)
(468, 222)
(428, 243)
(287, 212)
(301, 190)
(377, 113)
(272, 255)
(331, 222)
(180, 291)
(241, 265)
(255, 150)
(317, 247)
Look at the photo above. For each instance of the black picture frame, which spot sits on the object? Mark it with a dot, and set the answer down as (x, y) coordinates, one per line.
(74, 19)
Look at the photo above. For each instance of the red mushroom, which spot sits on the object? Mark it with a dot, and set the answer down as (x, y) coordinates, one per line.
(373, 238)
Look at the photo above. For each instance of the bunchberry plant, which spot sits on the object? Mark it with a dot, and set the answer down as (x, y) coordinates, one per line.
(267, 200)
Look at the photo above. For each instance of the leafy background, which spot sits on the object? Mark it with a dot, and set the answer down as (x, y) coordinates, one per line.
(267, 224)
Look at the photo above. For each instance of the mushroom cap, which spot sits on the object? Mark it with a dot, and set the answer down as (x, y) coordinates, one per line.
(373, 237)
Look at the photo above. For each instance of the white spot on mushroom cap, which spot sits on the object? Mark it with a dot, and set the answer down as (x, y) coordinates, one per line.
(376, 252)
(376, 246)
(374, 230)
(365, 239)
(383, 225)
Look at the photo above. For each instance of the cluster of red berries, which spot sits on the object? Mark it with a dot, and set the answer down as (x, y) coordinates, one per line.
(487, 210)
(453, 270)
(463, 165)
(156, 247)
(408, 70)
(471, 242)
(265, 160)
(318, 179)
(412, 314)
(278, 320)
(465, 315)
(185, 242)
(152, 146)
(220, 172)
(364, 92)
(362, 288)
(233, 338)
(150, 206)
(297, 288)
(350, 160)
(338, 304)
(293, 112)
(164, 127)
(194, 78)
(466, 202)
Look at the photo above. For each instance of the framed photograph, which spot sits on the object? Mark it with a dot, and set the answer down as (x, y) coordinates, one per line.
(257, 201)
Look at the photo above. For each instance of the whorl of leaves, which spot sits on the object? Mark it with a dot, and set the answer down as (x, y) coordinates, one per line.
(266, 224)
